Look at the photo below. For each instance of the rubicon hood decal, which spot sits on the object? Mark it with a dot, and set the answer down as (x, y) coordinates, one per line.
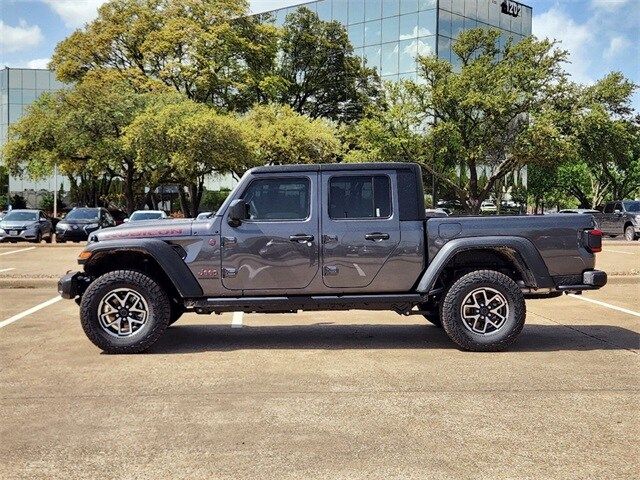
(147, 231)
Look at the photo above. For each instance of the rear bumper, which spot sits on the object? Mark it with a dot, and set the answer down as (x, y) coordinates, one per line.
(591, 280)
(73, 284)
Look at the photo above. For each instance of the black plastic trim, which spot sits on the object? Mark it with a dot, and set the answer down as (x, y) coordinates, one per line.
(164, 254)
(535, 266)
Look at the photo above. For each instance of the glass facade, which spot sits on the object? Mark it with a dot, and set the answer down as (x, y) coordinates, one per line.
(390, 34)
(19, 87)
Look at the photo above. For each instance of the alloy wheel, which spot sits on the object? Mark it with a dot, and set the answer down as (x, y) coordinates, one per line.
(484, 311)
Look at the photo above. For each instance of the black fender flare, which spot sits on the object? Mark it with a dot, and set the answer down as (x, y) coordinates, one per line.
(527, 259)
(164, 255)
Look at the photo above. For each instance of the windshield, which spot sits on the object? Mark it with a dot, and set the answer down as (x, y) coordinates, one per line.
(632, 206)
(21, 217)
(146, 216)
(83, 214)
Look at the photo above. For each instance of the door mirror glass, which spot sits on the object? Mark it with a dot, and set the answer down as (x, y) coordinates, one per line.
(237, 212)
(617, 212)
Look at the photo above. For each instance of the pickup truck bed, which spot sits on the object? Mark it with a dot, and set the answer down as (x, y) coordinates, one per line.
(323, 237)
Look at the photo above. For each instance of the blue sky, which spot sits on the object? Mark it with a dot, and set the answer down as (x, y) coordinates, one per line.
(602, 35)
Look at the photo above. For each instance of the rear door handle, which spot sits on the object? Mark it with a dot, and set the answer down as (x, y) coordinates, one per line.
(301, 238)
(377, 236)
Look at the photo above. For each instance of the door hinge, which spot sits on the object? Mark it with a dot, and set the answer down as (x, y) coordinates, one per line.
(229, 272)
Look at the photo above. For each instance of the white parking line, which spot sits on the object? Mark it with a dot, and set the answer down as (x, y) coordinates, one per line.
(620, 251)
(6, 269)
(606, 305)
(17, 317)
(236, 322)
(16, 251)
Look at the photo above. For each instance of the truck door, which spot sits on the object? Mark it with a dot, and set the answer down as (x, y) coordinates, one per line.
(277, 247)
(360, 226)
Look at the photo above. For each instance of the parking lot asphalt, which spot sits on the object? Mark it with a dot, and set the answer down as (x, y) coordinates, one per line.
(320, 395)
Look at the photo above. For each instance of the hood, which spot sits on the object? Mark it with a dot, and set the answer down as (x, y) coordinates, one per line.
(147, 229)
(17, 223)
(78, 221)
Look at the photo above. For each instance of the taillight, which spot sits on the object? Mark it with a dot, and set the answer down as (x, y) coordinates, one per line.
(593, 240)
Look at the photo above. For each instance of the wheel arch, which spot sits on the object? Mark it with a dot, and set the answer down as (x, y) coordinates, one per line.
(156, 258)
(515, 253)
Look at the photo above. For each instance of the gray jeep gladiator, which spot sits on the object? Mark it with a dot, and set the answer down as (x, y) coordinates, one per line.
(331, 237)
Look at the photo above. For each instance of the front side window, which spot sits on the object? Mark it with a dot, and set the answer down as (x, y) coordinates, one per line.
(361, 196)
(608, 208)
(278, 199)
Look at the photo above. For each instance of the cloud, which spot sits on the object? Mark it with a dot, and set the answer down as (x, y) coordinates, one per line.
(608, 5)
(574, 37)
(38, 63)
(616, 46)
(22, 37)
(75, 13)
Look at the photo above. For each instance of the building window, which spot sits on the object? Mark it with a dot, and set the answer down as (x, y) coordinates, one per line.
(408, 6)
(324, 10)
(362, 196)
(356, 34)
(408, 26)
(356, 11)
(389, 64)
(427, 23)
(372, 55)
(444, 23)
(373, 32)
(339, 11)
(372, 9)
(390, 8)
(390, 29)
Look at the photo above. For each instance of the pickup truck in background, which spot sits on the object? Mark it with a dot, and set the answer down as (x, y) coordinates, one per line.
(620, 218)
(331, 237)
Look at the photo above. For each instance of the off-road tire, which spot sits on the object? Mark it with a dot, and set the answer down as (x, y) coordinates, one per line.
(59, 240)
(155, 325)
(454, 325)
(629, 233)
(49, 239)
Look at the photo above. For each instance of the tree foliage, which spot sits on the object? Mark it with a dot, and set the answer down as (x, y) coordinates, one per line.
(496, 111)
(319, 74)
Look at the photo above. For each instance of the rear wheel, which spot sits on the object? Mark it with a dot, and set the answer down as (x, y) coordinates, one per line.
(483, 311)
(629, 233)
(49, 238)
(124, 312)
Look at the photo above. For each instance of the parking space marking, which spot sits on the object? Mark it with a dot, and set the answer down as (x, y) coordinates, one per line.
(606, 305)
(620, 251)
(236, 322)
(6, 269)
(16, 251)
(26, 313)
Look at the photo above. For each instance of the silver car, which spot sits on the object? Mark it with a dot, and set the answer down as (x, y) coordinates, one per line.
(26, 225)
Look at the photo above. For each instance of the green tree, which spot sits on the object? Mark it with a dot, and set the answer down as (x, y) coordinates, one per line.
(208, 50)
(319, 73)
(183, 142)
(278, 136)
(497, 111)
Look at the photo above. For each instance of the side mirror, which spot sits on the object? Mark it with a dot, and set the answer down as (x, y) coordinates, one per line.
(617, 212)
(237, 212)
(126, 220)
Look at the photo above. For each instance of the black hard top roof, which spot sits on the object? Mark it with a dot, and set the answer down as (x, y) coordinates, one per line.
(329, 167)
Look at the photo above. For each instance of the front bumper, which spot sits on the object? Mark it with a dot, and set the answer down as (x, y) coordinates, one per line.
(21, 235)
(73, 285)
(591, 280)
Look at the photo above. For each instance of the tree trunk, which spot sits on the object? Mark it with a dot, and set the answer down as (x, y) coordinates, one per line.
(184, 203)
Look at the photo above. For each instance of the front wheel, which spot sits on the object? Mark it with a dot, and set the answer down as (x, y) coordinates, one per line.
(124, 311)
(483, 311)
(629, 233)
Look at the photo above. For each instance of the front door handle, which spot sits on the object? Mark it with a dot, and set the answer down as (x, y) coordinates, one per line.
(377, 236)
(301, 238)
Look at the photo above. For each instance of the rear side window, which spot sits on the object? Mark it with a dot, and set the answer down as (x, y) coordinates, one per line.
(278, 199)
(361, 196)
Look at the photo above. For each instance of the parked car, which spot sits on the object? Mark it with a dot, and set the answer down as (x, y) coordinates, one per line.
(205, 215)
(80, 222)
(582, 211)
(488, 207)
(26, 225)
(144, 215)
(331, 237)
(620, 218)
(2, 214)
(435, 213)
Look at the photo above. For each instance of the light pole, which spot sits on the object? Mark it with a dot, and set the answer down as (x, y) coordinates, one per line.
(55, 190)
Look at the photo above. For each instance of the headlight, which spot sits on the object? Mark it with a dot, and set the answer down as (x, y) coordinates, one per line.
(637, 218)
(92, 225)
(62, 226)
